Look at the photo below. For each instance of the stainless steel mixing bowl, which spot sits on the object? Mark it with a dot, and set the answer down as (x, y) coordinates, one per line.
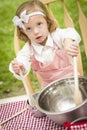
(56, 100)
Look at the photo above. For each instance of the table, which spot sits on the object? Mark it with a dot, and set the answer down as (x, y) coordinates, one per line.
(25, 121)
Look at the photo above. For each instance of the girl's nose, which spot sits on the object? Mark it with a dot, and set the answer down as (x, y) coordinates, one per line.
(36, 30)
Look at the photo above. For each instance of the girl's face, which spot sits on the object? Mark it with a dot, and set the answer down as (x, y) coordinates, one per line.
(37, 29)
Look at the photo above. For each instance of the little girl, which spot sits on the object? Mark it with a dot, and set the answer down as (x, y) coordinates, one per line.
(47, 48)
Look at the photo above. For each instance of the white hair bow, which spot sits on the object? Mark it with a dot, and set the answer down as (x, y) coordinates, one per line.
(19, 21)
(24, 18)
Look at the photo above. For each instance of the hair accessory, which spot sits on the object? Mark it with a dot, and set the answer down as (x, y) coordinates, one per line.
(24, 18)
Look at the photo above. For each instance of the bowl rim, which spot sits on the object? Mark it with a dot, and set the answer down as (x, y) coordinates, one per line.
(62, 112)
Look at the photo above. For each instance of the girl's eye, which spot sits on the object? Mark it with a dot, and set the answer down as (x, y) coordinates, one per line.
(28, 28)
(40, 23)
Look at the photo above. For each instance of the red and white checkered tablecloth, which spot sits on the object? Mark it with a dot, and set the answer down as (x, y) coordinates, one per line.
(76, 126)
(25, 121)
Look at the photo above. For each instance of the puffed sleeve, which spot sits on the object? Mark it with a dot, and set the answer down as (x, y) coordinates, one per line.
(23, 57)
(61, 34)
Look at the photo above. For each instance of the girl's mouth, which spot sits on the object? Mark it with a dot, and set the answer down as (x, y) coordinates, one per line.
(39, 37)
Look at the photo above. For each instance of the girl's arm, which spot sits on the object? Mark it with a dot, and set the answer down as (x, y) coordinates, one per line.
(70, 47)
(60, 35)
(21, 62)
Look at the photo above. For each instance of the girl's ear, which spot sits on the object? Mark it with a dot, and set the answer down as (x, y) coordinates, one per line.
(21, 30)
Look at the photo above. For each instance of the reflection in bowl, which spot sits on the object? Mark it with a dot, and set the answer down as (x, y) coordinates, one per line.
(66, 103)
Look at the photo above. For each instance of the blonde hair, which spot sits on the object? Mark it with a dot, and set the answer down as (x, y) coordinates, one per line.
(32, 6)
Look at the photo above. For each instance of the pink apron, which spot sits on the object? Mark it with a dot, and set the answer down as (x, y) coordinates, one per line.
(60, 67)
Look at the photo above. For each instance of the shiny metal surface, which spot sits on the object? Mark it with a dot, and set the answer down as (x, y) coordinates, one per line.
(82, 119)
(56, 100)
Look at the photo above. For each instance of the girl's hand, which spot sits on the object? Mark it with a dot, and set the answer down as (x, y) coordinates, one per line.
(17, 67)
(71, 48)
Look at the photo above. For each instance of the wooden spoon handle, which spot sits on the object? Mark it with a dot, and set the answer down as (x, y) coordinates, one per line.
(75, 73)
(77, 93)
(16, 114)
(32, 101)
